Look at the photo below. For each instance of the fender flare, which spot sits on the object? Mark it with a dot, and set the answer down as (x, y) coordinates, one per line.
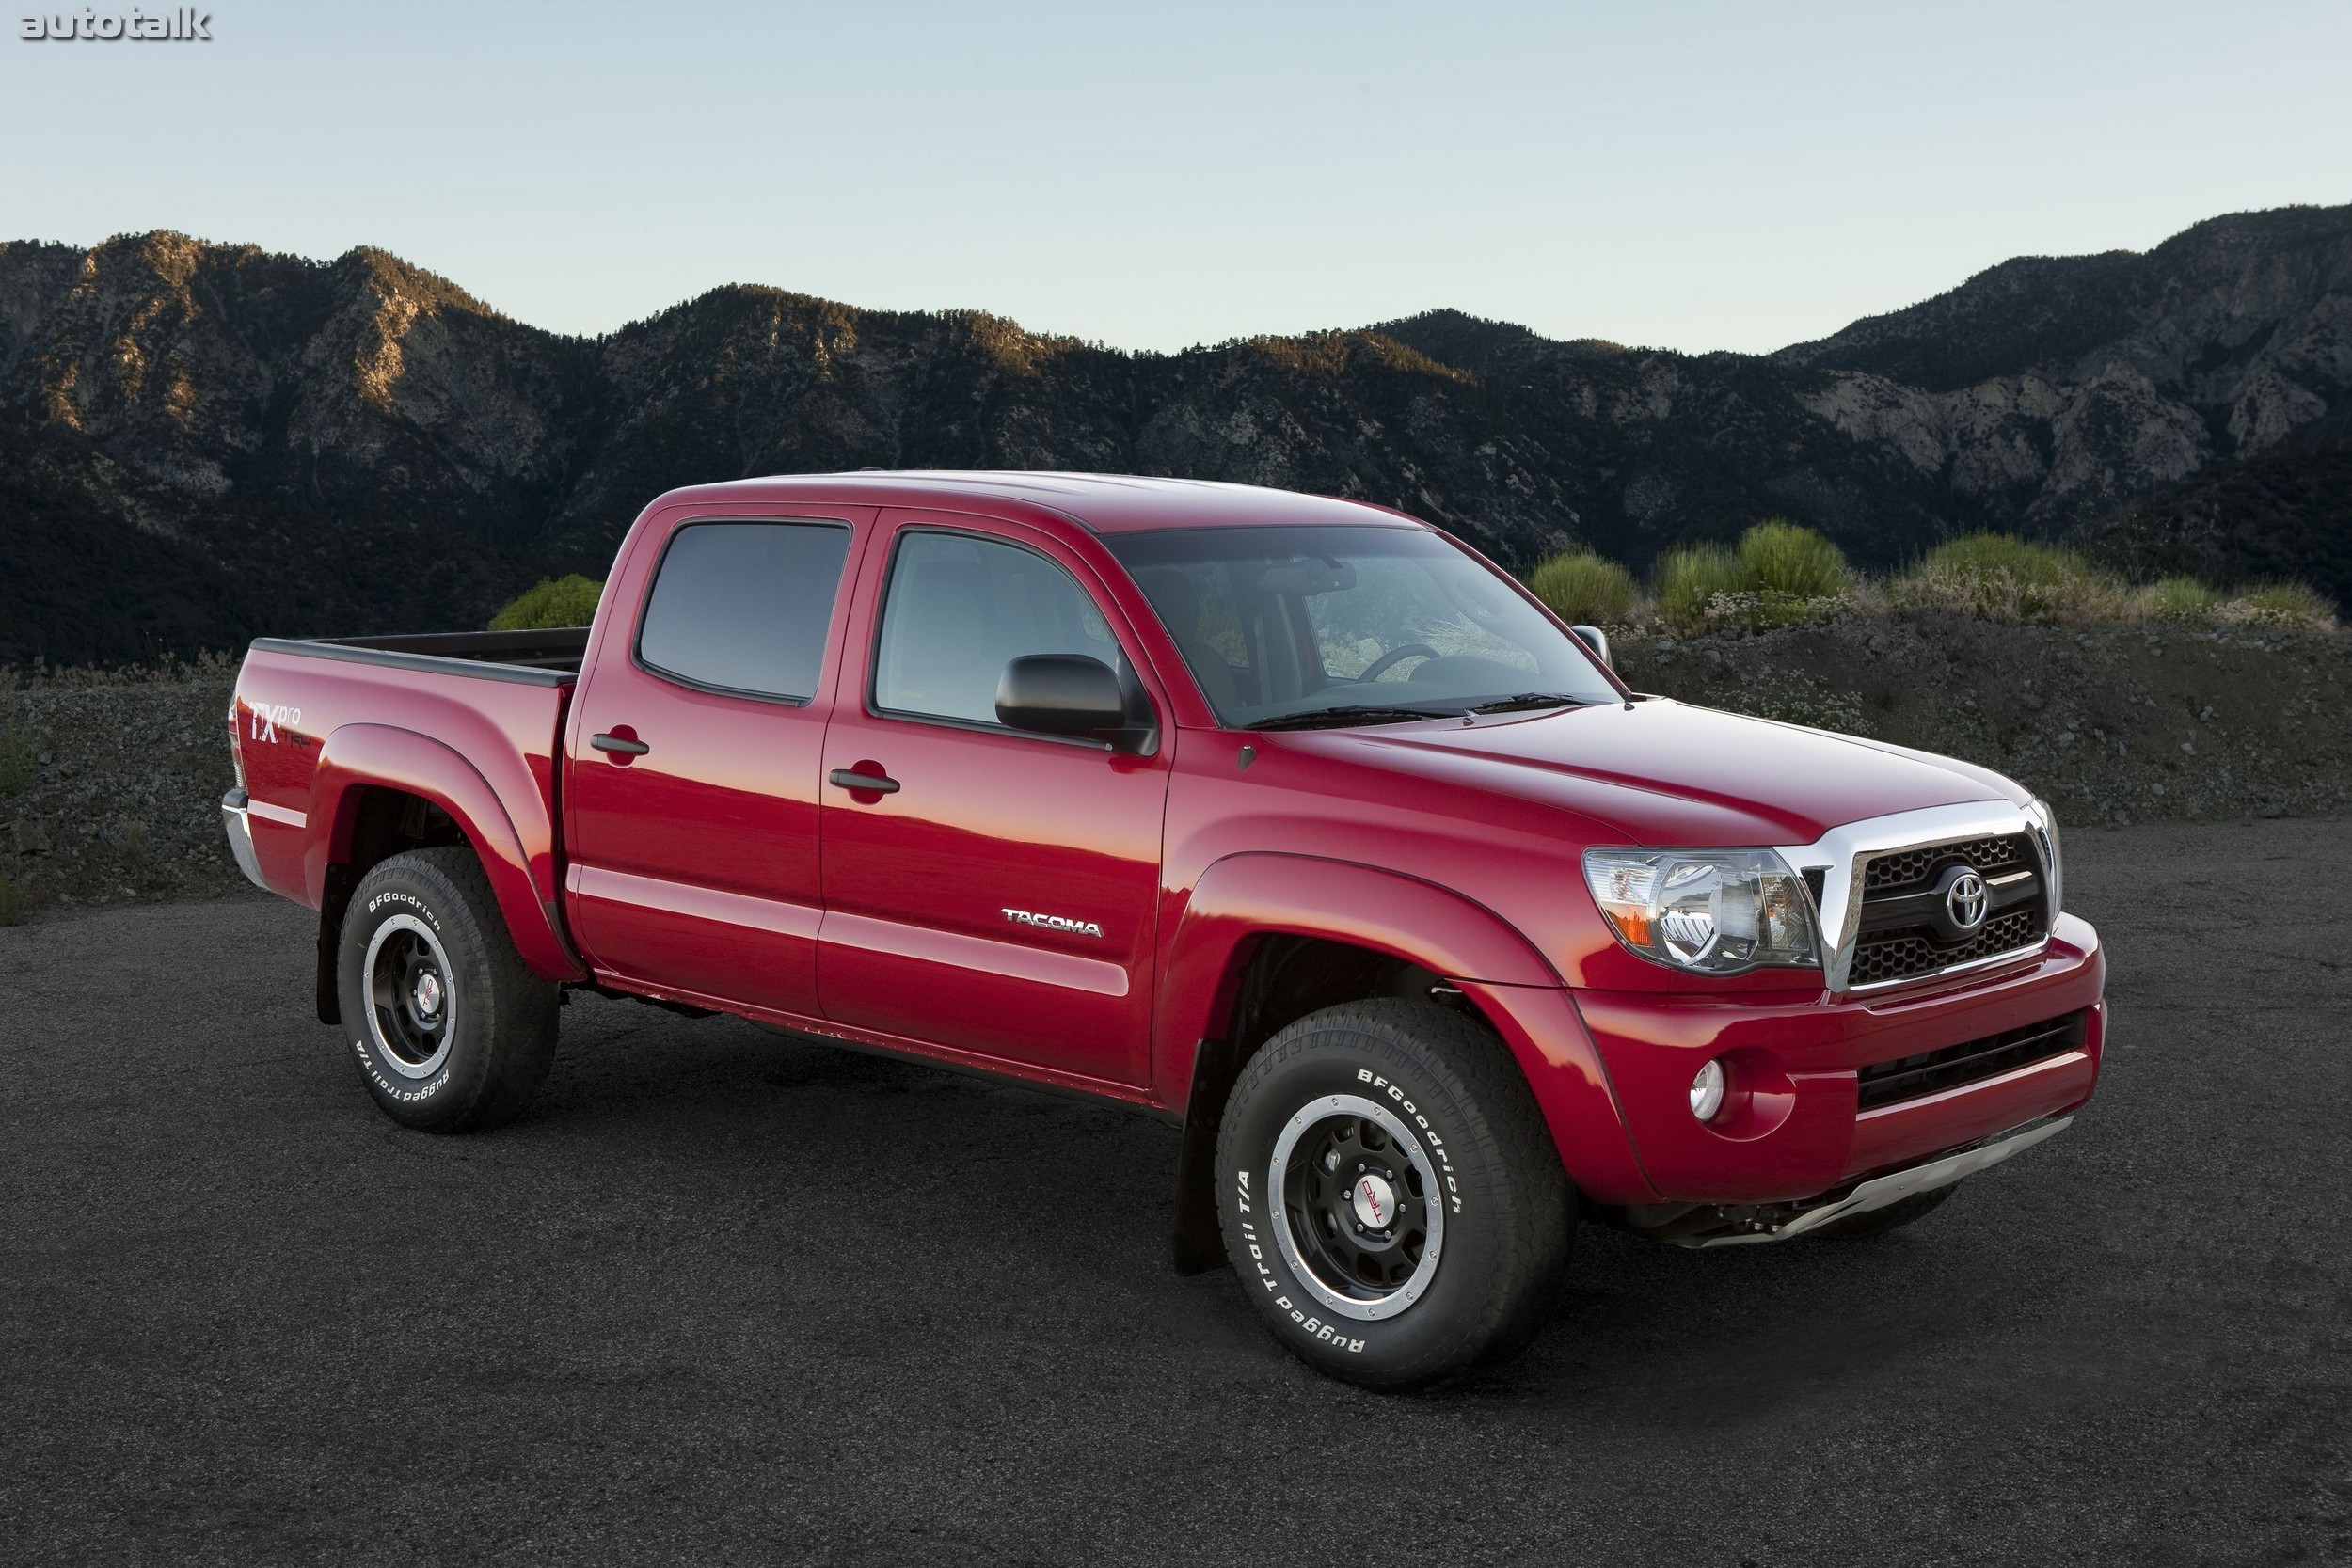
(356, 756)
(1255, 893)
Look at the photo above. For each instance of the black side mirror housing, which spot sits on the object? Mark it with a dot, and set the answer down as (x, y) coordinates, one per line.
(1071, 694)
(1597, 639)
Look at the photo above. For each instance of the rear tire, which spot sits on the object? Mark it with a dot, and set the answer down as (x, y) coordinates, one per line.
(451, 1031)
(1389, 1195)
(1878, 1222)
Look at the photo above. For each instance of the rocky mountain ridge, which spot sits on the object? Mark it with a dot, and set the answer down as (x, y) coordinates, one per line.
(199, 442)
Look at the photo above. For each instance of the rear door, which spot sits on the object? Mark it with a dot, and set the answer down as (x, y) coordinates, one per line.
(997, 892)
(691, 794)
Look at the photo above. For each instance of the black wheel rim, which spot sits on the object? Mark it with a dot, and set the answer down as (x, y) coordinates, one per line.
(1362, 1217)
(412, 998)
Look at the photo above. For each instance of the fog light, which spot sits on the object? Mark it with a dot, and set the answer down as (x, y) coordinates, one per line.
(1707, 1091)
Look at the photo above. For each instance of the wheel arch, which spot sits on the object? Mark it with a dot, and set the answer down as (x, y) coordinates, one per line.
(378, 790)
(1267, 938)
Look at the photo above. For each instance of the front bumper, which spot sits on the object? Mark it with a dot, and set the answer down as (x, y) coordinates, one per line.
(237, 822)
(1793, 1127)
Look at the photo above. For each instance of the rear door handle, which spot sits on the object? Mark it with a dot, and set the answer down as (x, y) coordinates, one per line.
(615, 743)
(850, 778)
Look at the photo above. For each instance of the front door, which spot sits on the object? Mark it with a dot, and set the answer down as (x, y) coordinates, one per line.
(691, 799)
(985, 889)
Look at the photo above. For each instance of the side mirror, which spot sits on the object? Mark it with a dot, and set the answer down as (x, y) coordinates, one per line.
(1597, 639)
(1069, 694)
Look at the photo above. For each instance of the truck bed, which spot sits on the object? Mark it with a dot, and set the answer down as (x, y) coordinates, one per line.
(547, 657)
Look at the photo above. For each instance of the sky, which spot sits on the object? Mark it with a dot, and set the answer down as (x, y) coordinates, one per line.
(1689, 175)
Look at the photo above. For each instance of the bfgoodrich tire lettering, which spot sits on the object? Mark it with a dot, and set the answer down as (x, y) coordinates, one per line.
(450, 1030)
(1389, 1195)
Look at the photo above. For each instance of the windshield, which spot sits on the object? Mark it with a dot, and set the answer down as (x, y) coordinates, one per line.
(1351, 624)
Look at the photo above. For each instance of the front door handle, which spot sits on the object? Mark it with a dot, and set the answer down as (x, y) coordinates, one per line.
(850, 778)
(626, 746)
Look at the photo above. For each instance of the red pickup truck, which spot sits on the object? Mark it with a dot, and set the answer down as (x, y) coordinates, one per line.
(1289, 820)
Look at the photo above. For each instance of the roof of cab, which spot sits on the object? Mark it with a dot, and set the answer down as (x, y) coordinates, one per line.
(1107, 503)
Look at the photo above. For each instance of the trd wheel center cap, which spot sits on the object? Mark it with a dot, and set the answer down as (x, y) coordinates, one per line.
(1374, 1200)
(428, 993)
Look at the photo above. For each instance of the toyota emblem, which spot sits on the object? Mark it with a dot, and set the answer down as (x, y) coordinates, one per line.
(1964, 900)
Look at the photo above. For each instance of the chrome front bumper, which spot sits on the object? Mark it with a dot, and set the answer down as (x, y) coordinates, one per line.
(1737, 1225)
(236, 821)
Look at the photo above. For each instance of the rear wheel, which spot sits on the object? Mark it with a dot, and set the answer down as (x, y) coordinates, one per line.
(1390, 1195)
(451, 1031)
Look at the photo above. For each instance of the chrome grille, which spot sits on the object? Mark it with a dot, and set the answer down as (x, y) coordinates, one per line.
(1903, 934)
(1910, 867)
(1903, 954)
(1884, 889)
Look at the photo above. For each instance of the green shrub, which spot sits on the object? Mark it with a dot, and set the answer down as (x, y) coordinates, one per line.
(2184, 599)
(1690, 578)
(1779, 574)
(2293, 606)
(13, 904)
(1582, 588)
(555, 602)
(1784, 558)
(1997, 576)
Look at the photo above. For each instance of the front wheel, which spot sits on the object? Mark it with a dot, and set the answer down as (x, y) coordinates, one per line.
(1389, 1195)
(452, 1032)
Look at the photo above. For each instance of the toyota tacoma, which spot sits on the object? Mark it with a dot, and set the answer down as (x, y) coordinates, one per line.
(1290, 820)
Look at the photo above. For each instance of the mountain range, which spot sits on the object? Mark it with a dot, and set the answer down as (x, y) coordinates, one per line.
(201, 442)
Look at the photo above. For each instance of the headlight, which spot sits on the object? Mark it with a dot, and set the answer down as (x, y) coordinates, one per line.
(2045, 822)
(1716, 911)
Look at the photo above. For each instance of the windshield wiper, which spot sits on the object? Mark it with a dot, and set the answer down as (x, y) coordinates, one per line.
(1531, 699)
(1353, 713)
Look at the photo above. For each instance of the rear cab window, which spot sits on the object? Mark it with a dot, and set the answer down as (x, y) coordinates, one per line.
(743, 607)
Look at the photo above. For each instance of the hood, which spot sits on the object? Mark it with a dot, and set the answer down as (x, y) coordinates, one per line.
(1661, 774)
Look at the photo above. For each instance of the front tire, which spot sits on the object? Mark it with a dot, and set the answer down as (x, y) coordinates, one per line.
(1389, 1195)
(451, 1030)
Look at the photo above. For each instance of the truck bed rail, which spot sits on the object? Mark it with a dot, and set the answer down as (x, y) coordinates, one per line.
(550, 657)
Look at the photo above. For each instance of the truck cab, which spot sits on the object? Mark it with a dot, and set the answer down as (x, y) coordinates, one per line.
(1288, 819)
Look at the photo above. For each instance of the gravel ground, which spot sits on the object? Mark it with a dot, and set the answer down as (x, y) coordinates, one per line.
(725, 1298)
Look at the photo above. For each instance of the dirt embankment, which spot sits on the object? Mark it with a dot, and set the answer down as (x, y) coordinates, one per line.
(110, 789)
(2112, 724)
(110, 786)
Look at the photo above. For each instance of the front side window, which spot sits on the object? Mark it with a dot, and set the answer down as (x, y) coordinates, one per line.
(743, 607)
(960, 608)
(1286, 623)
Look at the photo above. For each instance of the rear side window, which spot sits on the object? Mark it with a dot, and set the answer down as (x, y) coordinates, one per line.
(959, 609)
(743, 606)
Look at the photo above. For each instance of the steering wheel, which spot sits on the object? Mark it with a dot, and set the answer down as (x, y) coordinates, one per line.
(1381, 666)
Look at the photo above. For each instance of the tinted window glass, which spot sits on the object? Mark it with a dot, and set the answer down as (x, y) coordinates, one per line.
(1285, 621)
(960, 609)
(744, 606)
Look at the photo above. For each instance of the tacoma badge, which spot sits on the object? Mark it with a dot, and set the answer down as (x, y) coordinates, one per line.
(1054, 923)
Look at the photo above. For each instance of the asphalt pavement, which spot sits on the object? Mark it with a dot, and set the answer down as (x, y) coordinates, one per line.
(725, 1298)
